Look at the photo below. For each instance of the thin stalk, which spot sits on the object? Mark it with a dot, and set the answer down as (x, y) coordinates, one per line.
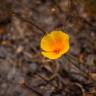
(77, 66)
(29, 22)
(31, 88)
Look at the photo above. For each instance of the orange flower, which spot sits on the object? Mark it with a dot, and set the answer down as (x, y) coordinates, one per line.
(54, 44)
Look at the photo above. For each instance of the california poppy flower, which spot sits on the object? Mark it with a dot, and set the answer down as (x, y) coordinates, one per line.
(54, 44)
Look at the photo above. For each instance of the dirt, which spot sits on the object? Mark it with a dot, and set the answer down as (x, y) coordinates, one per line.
(24, 71)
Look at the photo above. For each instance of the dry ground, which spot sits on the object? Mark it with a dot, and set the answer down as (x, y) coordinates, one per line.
(24, 71)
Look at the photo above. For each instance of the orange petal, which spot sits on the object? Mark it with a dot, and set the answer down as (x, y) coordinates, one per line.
(66, 47)
(51, 55)
(59, 36)
(61, 40)
(47, 43)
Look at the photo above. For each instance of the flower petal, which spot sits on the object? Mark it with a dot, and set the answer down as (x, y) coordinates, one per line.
(59, 39)
(65, 48)
(59, 36)
(47, 43)
(50, 55)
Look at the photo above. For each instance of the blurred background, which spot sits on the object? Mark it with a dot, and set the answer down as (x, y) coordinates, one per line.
(24, 71)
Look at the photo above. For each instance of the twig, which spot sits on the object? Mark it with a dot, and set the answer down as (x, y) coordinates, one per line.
(78, 66)
(57, 5)
(30, 22)
(31, 88)
(48, 81)
(81, 87)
